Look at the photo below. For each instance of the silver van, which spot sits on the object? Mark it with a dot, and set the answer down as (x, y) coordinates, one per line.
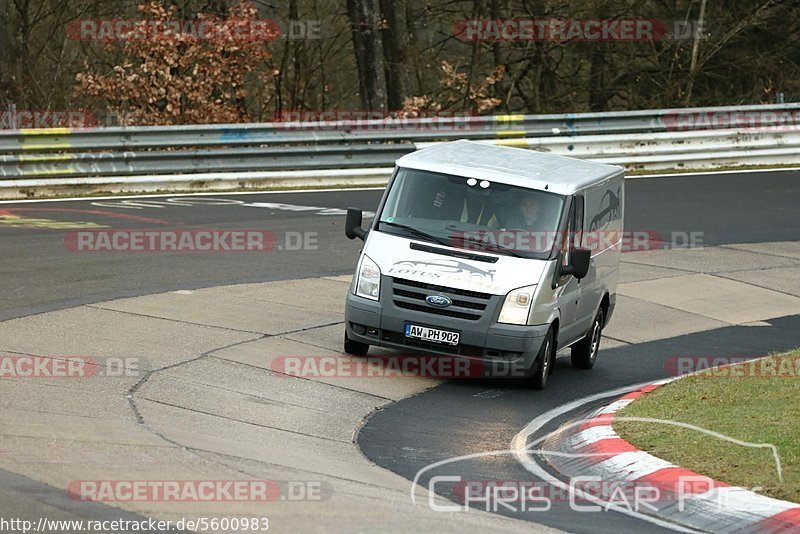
(500, 255)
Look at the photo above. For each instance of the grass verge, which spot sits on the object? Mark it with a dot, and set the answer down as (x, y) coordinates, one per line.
(756, 402)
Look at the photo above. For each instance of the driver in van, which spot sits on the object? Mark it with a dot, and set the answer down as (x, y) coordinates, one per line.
(527, 216)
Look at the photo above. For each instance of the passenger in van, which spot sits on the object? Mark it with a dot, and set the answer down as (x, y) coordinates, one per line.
(471, 206)
(479, 209)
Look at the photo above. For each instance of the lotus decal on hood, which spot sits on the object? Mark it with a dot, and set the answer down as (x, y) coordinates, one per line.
(442, 269)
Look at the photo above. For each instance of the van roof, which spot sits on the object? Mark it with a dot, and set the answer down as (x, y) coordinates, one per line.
(514, 166)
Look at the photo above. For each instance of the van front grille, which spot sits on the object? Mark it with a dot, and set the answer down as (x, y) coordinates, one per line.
(434, 287)
(437, 311)
(469, 305)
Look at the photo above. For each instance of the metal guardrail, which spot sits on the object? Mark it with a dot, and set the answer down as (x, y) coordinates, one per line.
(236, 159)
(481, 127)
(638, 139)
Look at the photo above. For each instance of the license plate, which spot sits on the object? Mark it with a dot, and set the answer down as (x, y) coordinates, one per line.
(433, 335)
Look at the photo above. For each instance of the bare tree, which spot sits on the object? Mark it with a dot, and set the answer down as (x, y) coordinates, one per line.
(364, 25)
(394, 35)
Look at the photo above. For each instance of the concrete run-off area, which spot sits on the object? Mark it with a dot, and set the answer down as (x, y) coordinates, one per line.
(202, 397)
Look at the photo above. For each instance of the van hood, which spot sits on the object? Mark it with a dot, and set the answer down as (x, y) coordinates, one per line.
(396, 258)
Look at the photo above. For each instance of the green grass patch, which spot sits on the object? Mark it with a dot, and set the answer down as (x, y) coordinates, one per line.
(756, 402)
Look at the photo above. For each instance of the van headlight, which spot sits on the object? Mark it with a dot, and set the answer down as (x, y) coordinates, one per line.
(517, 305)
(368, 279)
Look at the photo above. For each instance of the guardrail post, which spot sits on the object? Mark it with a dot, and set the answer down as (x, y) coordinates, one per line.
(11, 117)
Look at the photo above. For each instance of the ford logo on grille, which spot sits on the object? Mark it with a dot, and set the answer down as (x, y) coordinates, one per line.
(440, 301)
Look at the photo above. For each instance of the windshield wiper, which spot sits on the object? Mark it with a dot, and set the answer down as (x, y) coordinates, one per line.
(496, 247)
(417, 232)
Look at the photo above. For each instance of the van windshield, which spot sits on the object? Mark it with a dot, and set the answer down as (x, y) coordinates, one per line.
(472, 214)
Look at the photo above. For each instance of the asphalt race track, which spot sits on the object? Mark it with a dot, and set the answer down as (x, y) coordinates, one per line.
(41, 273)
(463, 417)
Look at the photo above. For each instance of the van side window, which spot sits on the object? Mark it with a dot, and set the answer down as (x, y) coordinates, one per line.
(574, 231)
(577, 224)
(566, 239)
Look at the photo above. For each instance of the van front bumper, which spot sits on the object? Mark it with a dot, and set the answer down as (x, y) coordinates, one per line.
(499, 349)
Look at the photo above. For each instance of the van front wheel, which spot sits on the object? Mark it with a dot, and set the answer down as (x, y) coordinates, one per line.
(356, 348)
(584, 352)
(543, 363)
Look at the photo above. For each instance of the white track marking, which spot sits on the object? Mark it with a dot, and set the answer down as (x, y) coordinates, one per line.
(711, 172)
(519, 446)
(734, 498)
(378, 188)
(519, 450)
(592, 435)
(205, 194)
(631, 465)
(743, 505)
(615, 406)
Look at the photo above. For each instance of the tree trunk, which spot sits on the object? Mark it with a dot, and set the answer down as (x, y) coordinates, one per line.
(414, 51)
(499, 57)
(598, 89)
(297, 46)
(363, 15)
(693, 67)
(477, 13)
(5, 59)
(395, 51)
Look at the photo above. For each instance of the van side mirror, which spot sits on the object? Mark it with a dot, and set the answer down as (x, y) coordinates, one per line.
(579, 263)
(352, 225)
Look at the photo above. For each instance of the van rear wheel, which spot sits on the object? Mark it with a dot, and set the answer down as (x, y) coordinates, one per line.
(356, 348)
(543, 363)
(584, 352)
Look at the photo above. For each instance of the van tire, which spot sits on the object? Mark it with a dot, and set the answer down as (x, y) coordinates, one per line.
(543, 363)
(584, 352)
(356, 348)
